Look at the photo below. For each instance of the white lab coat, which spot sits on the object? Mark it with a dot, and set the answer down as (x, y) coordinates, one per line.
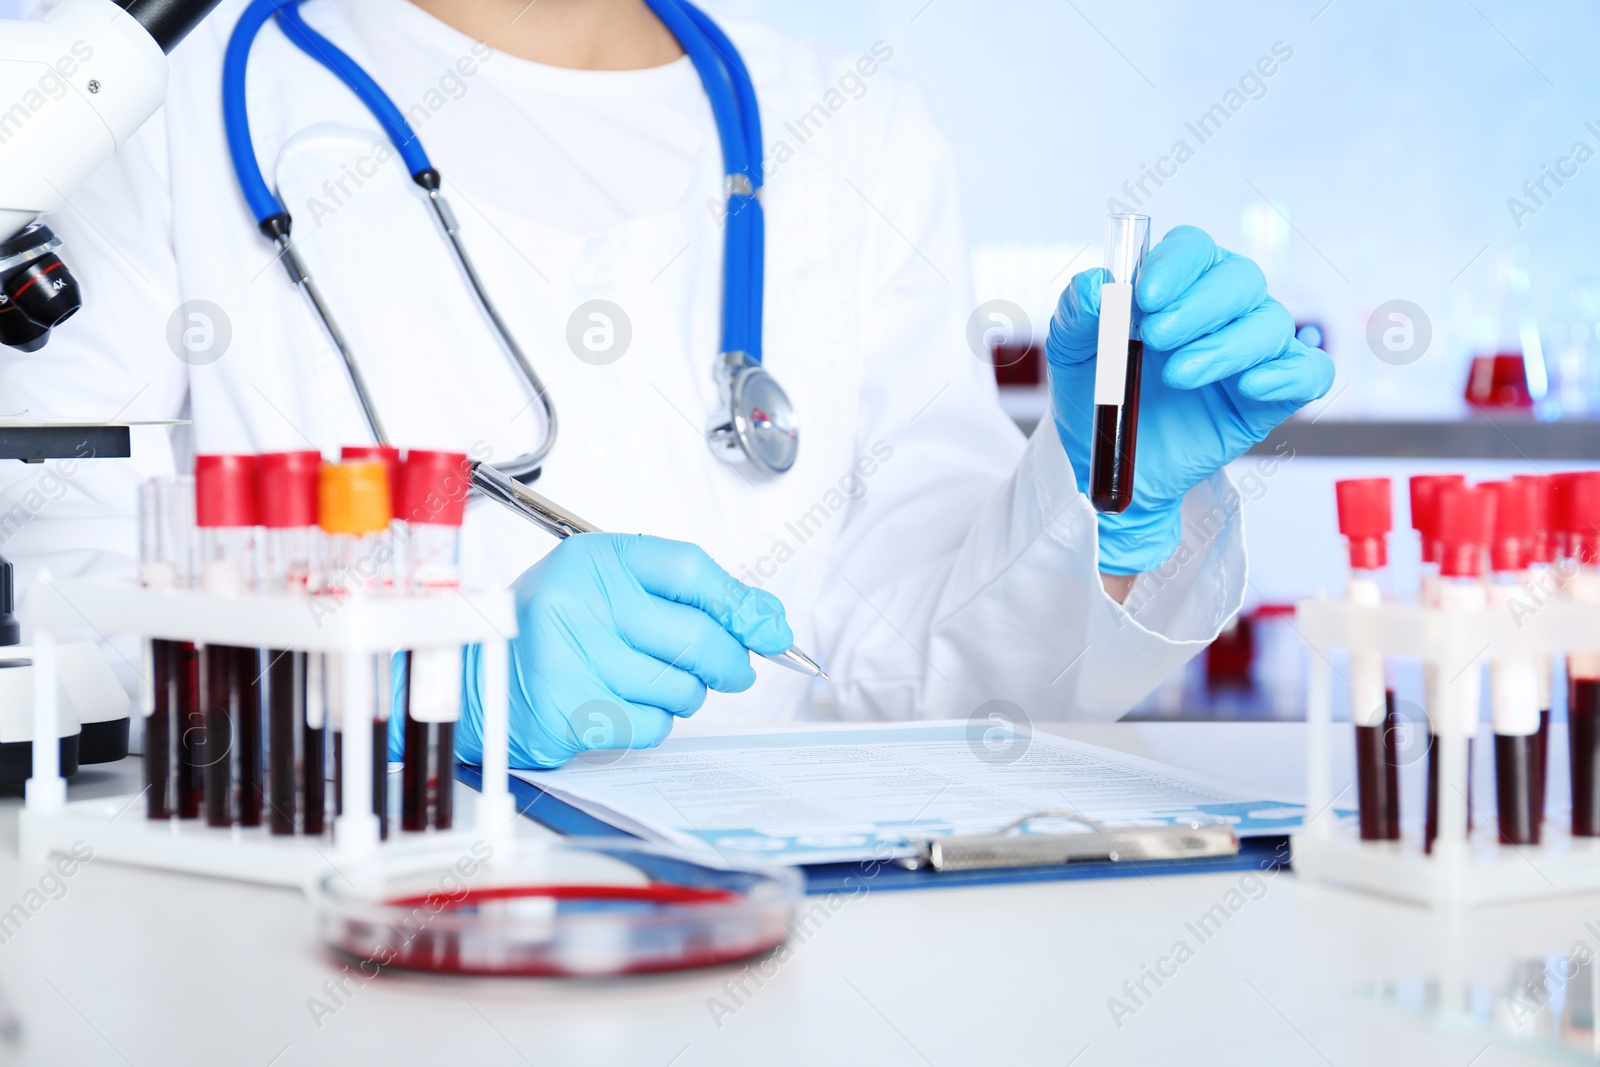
(933, 559)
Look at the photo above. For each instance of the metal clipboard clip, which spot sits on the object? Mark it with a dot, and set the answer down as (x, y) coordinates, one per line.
(1010, 847)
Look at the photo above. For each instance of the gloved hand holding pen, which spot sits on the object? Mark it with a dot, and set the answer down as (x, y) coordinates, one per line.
(618, 635)
(1222, 368)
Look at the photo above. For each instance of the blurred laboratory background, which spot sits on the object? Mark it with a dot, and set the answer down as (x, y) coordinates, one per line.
(1419, 182)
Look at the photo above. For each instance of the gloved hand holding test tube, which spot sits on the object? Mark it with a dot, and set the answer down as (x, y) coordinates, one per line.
(1182, 353)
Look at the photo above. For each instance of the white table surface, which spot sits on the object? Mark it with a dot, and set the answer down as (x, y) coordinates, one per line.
(140, 967)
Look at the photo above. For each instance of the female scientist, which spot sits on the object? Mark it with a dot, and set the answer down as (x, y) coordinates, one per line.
(598, 154)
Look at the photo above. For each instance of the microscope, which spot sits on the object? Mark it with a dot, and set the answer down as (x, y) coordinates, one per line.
(74, 85)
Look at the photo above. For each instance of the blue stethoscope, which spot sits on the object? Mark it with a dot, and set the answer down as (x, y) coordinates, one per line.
(760, 423)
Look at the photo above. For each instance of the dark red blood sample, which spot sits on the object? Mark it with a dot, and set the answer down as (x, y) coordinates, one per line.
(380, 775)
(1583, 733)
(158, 761)
(1516, 777)
(314, 775)
(191, 725)
(442, 783)
(414, 778)
(247, 717)
(655, 893)
(1378, 777)
(1542, 759)
(440, 950)
(286, 686)
(222, 699)
(338, 773)
(414, 775)
(427, 781)
(1111, 449)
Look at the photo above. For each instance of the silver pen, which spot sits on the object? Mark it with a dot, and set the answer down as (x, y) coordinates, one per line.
(557, 520)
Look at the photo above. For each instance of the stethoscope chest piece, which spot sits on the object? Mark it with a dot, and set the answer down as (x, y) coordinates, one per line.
(761, 426)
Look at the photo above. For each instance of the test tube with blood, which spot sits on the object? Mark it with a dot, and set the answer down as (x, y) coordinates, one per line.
(1514, 681)
(1583, 668)
(1424, 495)
(1465, 529)
(1119, 361)
(287, 482)
(166, 546)
(225, 511)
(1364, 519)
(354, 515)
(433, 497)
(1541, 586)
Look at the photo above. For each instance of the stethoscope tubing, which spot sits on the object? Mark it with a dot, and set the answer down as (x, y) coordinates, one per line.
(733, 104)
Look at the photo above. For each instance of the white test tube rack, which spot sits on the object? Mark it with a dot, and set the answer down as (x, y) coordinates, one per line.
(117, 828)
(1463, 870)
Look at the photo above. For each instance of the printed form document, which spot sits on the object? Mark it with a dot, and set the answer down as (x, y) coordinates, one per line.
(856, 792)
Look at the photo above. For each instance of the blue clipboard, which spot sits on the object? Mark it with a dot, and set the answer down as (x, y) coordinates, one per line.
(1255, 854)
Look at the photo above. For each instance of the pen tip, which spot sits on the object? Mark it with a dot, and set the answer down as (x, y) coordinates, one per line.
(823, 675)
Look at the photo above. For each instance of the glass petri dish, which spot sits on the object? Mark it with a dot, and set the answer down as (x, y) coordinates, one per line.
(581, 907)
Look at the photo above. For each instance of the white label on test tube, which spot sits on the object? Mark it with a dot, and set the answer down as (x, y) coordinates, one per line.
(1368, 693)
(1513, 683)
(1584, 587)
(316, 716)
(1111, 358)
(436, 684)
(333, 689)
(1462, 693)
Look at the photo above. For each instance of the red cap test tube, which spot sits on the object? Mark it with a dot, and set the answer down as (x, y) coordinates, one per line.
(1578, 510)
(432, 505)
(1424, 492)
(1514, 697)
(171, 699)
(287, 503)
(227, 514)
(1365, 521)
(1463, 520)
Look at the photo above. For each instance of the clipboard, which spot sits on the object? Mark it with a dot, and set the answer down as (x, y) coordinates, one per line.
(1265, 853)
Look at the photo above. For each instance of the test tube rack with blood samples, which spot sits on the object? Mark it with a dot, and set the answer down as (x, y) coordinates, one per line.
(309, 613)
(1466, 621)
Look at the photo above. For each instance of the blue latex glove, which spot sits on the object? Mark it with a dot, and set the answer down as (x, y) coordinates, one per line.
(1221, 369)
(618, 634)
